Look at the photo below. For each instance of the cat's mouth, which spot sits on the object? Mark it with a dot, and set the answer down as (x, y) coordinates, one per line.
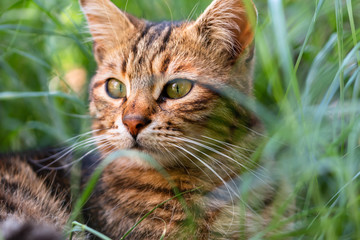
(137, 146)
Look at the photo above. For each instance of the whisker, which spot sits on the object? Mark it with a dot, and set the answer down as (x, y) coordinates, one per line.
(256, 132)
(172, 155)
(71, 148)
(225, 184)
(105, 152)
(47, 167)
(228, 144)
(87, 143)
(221, 165)
(233, 151)
(82, 135)
(212, 149)
(221, 154)
(105, 145)
(206, 165)
(206, 174)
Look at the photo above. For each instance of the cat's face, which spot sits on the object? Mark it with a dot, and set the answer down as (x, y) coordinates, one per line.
(157, 84)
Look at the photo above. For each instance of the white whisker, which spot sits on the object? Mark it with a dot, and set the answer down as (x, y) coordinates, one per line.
(228, 144)
(216, 161)
(206, 165)
(47, 167)
(173, 156)
(86, 143)
(221, 165)
(82, 135)
(83, 144)
(225, 184)
(232, 151)
(221, 154)
(205, 173)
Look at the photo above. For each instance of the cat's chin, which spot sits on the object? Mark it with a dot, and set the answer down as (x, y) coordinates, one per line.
(159, 157)
(137, 147)
(138, 161)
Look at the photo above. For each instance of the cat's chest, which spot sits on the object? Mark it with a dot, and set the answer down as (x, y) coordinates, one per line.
(148, 188)
(125, 196)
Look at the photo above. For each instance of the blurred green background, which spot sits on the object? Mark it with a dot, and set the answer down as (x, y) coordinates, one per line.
(307, 81)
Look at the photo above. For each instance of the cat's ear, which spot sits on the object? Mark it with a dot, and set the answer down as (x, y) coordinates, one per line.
(228, 25)
(109, 26)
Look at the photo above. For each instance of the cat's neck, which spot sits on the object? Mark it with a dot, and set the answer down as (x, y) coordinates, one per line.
(184, 179)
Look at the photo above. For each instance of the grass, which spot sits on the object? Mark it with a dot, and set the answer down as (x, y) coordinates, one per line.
(307, 87)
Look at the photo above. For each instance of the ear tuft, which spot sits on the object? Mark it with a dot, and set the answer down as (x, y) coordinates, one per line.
(227, 24)
(108, 24)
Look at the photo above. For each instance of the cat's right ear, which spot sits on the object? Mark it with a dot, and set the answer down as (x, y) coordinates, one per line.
(227, 25)
(109, 26)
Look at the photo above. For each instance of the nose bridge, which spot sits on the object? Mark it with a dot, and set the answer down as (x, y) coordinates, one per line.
(137, 113)
(139, 105)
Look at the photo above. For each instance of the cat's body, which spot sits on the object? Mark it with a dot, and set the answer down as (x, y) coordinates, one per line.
(34, 205)
(160, 89)
(191, 136)
(124, 195)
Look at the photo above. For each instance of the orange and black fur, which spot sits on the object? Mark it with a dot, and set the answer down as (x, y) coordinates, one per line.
(162, 89)
(34, 202)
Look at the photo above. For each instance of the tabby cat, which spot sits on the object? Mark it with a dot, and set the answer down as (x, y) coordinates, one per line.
(161, 89)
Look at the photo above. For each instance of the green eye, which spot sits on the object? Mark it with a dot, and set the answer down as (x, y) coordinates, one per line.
(178, 88)
(115, 88)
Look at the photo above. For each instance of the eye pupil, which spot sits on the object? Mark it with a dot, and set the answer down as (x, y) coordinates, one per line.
(115, 88)
(178, 88)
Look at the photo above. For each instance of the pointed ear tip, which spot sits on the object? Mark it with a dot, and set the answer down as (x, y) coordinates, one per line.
(82, 3)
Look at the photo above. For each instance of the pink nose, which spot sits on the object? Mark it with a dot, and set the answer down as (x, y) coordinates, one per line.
(135, 123)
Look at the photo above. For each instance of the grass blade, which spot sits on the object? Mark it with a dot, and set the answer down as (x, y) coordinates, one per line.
(308, 34)
(156, 207)
(5, 96)
(83, 228)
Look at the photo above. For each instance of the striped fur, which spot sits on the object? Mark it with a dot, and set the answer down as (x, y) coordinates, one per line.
(203, 140)
(190, 137)
(32, 205)
(145, 61)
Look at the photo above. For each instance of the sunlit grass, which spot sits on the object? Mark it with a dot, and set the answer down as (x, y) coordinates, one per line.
(307, 88)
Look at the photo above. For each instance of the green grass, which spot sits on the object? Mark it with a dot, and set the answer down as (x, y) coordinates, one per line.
(307, 86)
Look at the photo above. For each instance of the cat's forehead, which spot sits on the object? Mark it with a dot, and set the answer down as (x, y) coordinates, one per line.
(150, 50)
(146, 43)
(158, 52)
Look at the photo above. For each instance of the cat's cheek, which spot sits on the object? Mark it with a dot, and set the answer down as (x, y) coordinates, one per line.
(125, 139)
(92, 109)
(147, 138)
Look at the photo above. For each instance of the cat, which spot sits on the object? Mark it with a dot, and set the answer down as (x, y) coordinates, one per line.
(160, 89)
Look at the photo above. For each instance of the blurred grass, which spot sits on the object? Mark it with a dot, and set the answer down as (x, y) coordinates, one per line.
(307, 77)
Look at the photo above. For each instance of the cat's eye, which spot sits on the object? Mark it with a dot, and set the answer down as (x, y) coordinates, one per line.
(115, 88)
(178, 88)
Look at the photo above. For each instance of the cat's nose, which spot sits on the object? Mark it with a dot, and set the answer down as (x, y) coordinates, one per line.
(135, 123)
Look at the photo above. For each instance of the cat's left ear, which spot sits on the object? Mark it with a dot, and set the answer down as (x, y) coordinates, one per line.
(109, 26)
(227, 25)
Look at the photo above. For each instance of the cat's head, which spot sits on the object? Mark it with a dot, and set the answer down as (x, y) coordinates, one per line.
(157, 84)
